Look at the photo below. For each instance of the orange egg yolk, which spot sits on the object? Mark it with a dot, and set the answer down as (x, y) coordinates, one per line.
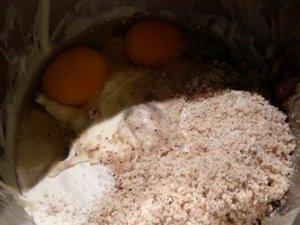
(74, 76)
(153, 42)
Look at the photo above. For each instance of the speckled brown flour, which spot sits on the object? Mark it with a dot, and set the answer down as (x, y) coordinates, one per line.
(215, 160)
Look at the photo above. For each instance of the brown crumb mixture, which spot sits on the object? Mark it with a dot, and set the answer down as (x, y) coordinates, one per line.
(228, 160)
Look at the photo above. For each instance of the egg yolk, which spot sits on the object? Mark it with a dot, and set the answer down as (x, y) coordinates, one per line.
(153, 42)
(74, 76)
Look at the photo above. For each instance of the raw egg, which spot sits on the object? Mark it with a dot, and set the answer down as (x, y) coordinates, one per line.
(153, 42)
(74, 76)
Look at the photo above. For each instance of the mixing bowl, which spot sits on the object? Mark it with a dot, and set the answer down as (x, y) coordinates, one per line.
(259, 37)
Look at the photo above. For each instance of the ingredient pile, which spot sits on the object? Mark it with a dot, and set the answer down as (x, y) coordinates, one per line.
(156, 136)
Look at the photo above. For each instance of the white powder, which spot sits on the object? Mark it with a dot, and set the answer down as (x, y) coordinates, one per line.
(67, 199)
(221, 158)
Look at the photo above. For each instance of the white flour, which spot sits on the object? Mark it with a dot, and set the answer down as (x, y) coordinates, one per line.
(67, 199)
